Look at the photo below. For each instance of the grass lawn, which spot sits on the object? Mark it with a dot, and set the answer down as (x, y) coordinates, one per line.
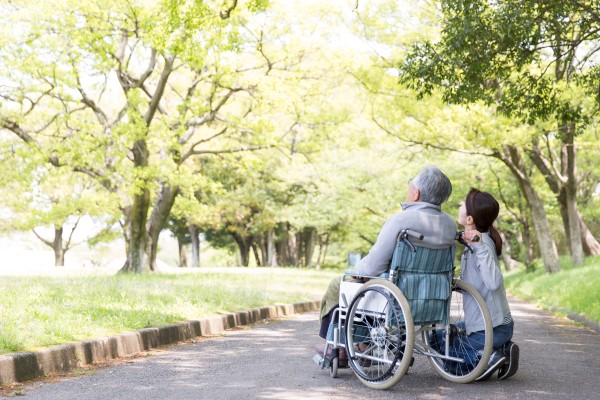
(39, 312)
(573, 290)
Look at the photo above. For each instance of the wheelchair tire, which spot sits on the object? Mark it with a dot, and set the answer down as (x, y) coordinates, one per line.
(388, 330)
(333, 367)
(452, 371)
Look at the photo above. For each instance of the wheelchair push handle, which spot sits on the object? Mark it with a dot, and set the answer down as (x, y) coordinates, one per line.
(461, 240)
(406, 233)
(459, 237)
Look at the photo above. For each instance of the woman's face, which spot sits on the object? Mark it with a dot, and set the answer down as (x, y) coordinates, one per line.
(462, 215)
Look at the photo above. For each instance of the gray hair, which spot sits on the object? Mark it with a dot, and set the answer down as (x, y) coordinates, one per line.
(433, 185)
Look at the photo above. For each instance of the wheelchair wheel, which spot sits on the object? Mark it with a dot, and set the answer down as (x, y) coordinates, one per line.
(458, 372)
(379, 320)
(333, 368)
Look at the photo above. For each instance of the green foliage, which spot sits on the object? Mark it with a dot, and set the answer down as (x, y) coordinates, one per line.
(573, 290)
(312, 84)
(498, 53)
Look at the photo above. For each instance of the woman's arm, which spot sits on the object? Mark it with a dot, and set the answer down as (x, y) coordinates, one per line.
(488, 266)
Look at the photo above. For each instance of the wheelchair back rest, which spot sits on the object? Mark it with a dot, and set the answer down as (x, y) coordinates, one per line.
(424, 277)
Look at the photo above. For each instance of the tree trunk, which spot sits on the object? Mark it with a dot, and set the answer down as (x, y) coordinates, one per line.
(309, 244)
(323, 239)
(182, 255)
(271, 249)
(300, 262)
(262, 246)
(138, 236)
(136, 255)
(195, 246)
(527, 242)
(591, 246)
(568, 155)
(244, 244)
(256, 256)
(542, 229)
(512, 158)
(509, 261)
(57, 246)
(565, 189)
(291, 250)
(158, 219)
(325, 250)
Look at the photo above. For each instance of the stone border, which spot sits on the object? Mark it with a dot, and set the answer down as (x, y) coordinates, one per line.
(19, 367)
(584, 321)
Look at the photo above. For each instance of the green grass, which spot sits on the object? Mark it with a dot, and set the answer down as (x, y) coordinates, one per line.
(573, 290)
(39, 312)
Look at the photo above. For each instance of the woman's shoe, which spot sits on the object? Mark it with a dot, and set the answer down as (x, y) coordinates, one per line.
(511, 350)
(497, 360)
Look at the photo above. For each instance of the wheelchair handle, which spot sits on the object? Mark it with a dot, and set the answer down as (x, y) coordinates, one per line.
(405, 233)
(459, 238)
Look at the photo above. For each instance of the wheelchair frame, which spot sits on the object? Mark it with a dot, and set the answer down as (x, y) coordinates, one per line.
(379, 315)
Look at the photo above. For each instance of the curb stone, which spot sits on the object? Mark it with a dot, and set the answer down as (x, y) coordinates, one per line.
(584, 321)
(23, 366)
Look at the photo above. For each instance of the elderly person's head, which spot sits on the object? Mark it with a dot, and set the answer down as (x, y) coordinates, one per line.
(430, 185)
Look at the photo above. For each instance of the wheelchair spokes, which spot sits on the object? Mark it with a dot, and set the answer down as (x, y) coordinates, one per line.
(462, 355)
(377, 330)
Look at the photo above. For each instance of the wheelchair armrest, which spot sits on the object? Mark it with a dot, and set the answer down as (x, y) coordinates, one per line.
(355, 274)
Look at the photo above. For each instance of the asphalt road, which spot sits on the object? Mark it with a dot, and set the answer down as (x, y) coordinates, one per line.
(559, 360)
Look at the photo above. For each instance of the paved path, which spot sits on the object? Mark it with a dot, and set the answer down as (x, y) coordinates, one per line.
(274, 361)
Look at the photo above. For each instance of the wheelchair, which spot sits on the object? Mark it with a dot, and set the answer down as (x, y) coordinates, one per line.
(417, 308)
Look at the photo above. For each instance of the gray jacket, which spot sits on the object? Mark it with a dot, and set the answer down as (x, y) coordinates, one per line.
(438, 229)
(482, 270)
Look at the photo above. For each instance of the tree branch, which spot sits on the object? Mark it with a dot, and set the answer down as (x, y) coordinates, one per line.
(71, 234)
(47, 242)
(371, 242)
(226, 9)
(15, 128)
(427, 144)
(227, 151)
(85, 99)
(160, 89)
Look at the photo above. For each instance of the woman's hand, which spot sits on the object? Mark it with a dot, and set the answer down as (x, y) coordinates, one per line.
(472, 236)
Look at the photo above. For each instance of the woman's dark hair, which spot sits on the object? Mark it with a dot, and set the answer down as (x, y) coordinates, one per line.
(484, 209)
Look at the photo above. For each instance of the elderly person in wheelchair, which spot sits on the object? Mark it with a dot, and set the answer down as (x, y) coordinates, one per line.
(409, 283)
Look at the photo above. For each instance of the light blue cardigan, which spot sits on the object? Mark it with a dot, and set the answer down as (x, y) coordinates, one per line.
(482, 270)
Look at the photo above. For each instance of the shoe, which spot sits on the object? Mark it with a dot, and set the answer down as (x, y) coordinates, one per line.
(342, 355)
(497, 359)
(511, 351)
(363, 362)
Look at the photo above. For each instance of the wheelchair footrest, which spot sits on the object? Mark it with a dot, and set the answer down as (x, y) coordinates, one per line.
(320, 361)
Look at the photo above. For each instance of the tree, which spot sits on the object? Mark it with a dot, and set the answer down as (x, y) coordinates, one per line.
(529, 59)
(40, 195)
(130, 91)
